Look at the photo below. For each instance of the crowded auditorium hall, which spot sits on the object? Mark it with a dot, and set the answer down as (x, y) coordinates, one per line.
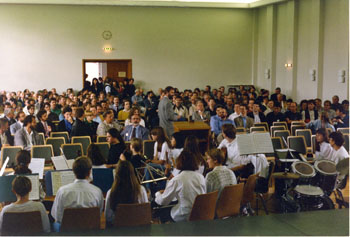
(174, 118)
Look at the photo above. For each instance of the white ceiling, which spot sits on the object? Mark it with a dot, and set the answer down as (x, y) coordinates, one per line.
(159, 3)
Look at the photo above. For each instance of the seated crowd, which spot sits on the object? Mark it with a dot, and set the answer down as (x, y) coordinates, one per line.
(123, 113)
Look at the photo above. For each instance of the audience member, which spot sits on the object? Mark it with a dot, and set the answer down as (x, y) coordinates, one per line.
(27, 136)
(117, 145)
(107, 123)
(135, 129)
(336, 140)
(323, 148)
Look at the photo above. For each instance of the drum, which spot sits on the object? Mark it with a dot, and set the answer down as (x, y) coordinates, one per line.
(326, 176)
(309, 197)
(305, 170)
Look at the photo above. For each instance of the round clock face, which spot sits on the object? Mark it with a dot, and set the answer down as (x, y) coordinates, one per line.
(107, 34)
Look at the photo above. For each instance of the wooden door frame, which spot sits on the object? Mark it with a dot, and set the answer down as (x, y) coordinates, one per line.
(129, 72)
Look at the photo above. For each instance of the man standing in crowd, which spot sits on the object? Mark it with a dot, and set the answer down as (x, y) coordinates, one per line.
(166, 112)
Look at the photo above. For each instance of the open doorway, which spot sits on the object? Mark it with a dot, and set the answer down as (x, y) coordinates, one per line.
(116, 69)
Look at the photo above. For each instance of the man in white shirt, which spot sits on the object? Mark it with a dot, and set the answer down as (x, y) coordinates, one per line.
(27, 136)
(108, 123)
(79, 194)
(236, 114)
(336, 140)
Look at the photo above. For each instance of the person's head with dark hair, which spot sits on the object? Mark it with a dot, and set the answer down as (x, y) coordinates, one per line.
(82, 167)
(23, 159)
(94, 153)
(79, 113)
(229, 131)
(21, 186)
(134, 110)
(126, 188)
(31, 109)
(29, 121)
(169, 91)
(324, 117)
(4, 125)
(20, 116)
(158, 134)
(340, 111)
(66, 109)
(42, 115)
(215, 157)
(114, 137)
(336, 140)
(108, 116)
(177, 140)
(186, 161)
(310, 105)
(345, 104)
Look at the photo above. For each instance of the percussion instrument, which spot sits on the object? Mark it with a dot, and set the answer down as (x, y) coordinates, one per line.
(304, 170)
(308, 197)
(343, 167)
(284, 175)
(326, 176)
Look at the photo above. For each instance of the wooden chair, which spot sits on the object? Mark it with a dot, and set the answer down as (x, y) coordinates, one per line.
(344, 130)
(85, 141)
(276, 143)
(306, 133)
(82, 219)
(283, 134)
(22, 223)
(298, 123)
(346, 143)
(276, 128)
(11, 152)
(56, 143)
(297, 143)
(41, 138)
(104, 149)
(72, 151)
(313, 142)
(241, 130)
(133, 214)
(101, 139)
(248, 190)
(148, 148)
(42, 151)
(257, 129)
(55, 123)
(282, 123)
(329, 131)
(229, 202)
(204, 207)
(293, 128)
(65, 135)
(262, 124)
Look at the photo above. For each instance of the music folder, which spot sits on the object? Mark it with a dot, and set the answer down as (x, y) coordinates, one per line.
(56, 179)
(254, 143)
(102, 178)
(6, 194)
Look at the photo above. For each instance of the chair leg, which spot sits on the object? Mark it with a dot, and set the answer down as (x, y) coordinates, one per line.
(263, 202)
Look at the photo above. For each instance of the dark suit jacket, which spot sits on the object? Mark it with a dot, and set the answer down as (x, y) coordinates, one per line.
(40, 127)
(80, 129)
(62, 126)
(274, 97)
(141, 133)
(9, 137)
(261, 116)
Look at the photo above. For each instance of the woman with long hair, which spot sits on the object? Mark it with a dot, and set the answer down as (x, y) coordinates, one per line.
(161, 146)
(323, 148)
(126, 189)
(22, 162)
(192, 145)
(93, 152)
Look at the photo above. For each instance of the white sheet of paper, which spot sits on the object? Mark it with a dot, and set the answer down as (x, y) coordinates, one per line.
(59, 162)
(37, 166)
(4, 166)
(245, 144)
(35, 193)
(263, 143)
(61, 178)
(70, 163)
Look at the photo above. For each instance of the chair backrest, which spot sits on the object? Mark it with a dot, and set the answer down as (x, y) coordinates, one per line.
(75, 219)
(297, 143)
(85, 141)
(346, 143)
(306, 133)
(102, 178)
(204, 207)
(282, 123)
(133, 214)
(11, 152)
(104, 149)
(21, 223)
(229, 202)
(293, 128)
(248, 190)
(313, 142)
(276, 142)
(298, 123)
(240, 130)
(148, 148)
(56, 143)
(276, 128)
(344, 130)
(72, 151)
(41, 138)
(262, 124)
(55, 123)
(101, 139)
(329, 131)
(283, 134)
(258, 129)
(42, 151)
(65, 135)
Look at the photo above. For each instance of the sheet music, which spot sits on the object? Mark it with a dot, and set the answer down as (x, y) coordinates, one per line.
(59, 162)
(35, 193)
(61, 178)
(37, 166)
(263, 143)
(70, 163)
(245, 144)
(4, 166)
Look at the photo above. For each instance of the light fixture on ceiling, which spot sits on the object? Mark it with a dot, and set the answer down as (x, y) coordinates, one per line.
(288, 65)
(108, 49)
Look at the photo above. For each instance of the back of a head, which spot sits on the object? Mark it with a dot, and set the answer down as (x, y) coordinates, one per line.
(338, 138)
(21, 185)
(186, 161)
(23, 159)
(93, 152)
(81, 167)
(192, 144)
(79, 112)
(216, 154)
(229, 130)
(136, 143)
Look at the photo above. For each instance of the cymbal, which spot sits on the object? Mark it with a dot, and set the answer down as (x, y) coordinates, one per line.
(343, 166)
(283, 175)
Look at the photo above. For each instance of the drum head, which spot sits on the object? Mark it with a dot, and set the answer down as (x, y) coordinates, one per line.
(303, 169)
(309, 190)
(326, 167)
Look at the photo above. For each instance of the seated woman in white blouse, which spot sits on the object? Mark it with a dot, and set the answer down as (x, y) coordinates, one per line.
(323, 148)
(21, 187)
(336, 139)
(184, 187)
(126, 189)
